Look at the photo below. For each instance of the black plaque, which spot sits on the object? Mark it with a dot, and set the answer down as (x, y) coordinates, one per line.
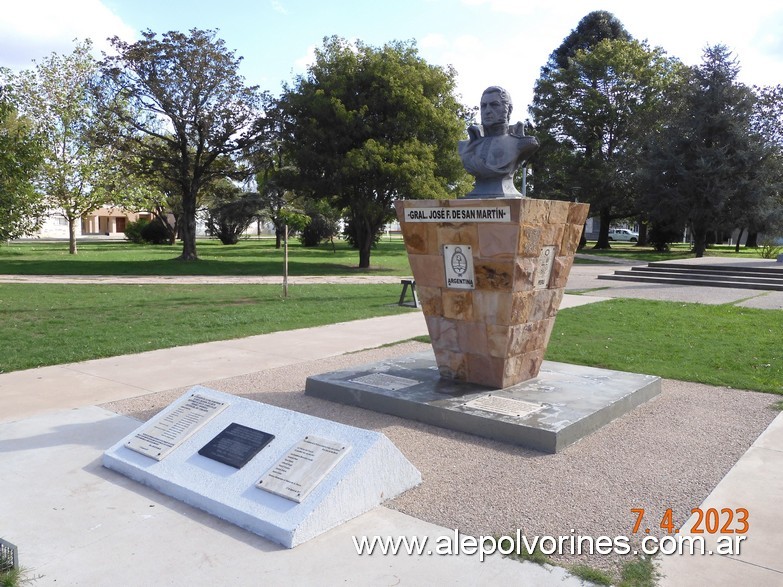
(236, 445)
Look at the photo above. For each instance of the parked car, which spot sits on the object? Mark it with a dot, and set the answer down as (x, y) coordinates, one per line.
(623, 234)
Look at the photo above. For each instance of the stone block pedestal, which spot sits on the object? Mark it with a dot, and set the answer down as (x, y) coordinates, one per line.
(490, 276)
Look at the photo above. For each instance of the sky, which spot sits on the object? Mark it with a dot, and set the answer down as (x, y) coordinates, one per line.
(488, 42)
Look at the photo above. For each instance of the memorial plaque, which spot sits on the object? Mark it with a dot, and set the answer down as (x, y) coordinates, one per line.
(236, 445)
(466, 214)
(544, 268)
(385, 381)
(458, 263)
(503, 405)
(165, 434)
(299, 471)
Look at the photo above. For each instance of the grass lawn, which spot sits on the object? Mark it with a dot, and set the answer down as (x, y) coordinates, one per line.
(248, 257)
(625, 250)
(718, 345)
(48, 324)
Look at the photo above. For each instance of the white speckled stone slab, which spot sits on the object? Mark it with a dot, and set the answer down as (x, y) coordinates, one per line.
(372, 471)
(562, 405)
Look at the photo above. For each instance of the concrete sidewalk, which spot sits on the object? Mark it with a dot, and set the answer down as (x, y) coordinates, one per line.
(79, 524)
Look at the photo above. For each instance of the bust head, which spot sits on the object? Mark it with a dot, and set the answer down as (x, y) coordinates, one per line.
(496, 106)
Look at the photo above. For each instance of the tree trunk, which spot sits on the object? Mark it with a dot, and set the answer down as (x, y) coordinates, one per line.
(72, 236)
(752, 241)
(699, 240)
(739, 238)
(278, 237)
(643, 240)
(363, 235)
(603, 232)
(189, 228)
(364, 252)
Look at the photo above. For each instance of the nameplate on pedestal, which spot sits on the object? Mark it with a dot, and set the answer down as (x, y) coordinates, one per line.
(458, 265)
(544, 267)
(165, 434)
(459, 214)
(503, 405)
(385, 381)
(300, 470)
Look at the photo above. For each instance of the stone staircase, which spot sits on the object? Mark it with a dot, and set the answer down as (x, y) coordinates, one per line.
(739, 276)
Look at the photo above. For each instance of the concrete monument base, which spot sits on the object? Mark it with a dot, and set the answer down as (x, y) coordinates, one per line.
(371, 471)
(562, 405)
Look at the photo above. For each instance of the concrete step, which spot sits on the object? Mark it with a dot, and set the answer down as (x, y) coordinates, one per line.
(690, 280)
(710, 275)
(721, 269)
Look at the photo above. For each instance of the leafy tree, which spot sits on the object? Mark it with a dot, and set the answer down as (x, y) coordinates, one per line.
(188, 110)
(708, 166)
(366, 126)
(57, 96)
(591, 114)
(231, 211)
(595, 27)
(324, 224)
(767, 122)
(21, 207)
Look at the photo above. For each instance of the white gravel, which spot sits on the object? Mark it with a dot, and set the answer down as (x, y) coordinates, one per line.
(668, 453)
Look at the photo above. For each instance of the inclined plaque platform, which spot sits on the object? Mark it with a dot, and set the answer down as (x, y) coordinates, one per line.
(283, 475)
(547, 413)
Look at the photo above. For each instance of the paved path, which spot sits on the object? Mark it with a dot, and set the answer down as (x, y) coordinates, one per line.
(198, 279)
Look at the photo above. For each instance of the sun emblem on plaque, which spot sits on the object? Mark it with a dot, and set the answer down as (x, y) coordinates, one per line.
(459, 262)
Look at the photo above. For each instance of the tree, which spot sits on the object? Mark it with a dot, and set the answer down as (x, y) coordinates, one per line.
(595, 27)
(21, 207)
(57, 96)
(594, 102)
(188, 111)
(324, 224)
(369, 125)
(231, 211)
(707, 166)
(767, 122)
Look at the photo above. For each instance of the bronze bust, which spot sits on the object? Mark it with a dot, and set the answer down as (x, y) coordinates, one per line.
(494, 151)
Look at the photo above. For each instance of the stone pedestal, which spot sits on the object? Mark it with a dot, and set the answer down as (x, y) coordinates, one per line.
(490, 275)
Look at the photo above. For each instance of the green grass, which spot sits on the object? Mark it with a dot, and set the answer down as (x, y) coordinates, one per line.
(43, 324)
(248, 257)
(713, 344)
(631, 252)
(634, 572)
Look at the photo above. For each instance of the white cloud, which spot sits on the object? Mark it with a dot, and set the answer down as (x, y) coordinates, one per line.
(32, 29)
(301, 64)
(277, 6)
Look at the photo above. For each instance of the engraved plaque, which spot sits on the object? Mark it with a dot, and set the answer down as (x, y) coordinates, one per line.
(299, 471)
(544, 267)
(458, 262)
(385, 381)
(503, 405)
(236, 445)
(466, 214)
(162, 436)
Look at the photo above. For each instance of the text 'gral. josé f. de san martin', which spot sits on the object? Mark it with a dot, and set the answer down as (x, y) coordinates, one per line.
(482, 214)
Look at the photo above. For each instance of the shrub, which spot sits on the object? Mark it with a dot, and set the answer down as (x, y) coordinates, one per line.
(770, 249)
(229, 219)
(318, 230)
(155, 232)
(661, 235)
(133, 230)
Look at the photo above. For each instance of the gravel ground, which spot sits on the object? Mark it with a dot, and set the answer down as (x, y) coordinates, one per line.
(668, 453)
